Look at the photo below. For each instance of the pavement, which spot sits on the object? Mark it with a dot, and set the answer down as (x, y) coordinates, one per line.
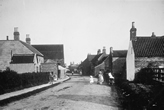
(8, 97)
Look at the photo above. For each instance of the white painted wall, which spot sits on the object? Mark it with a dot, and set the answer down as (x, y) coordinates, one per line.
(130, 63)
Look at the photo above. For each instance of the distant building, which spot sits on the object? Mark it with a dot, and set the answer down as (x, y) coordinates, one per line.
(19, 56)
(142, 51)
(101, 61)
(86, 66)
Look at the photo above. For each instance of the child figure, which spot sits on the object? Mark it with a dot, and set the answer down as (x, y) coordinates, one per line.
(100, 77)
(91, 79)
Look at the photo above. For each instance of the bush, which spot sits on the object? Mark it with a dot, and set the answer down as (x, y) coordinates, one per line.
(136, 96)
(11, 81)
(145, 76)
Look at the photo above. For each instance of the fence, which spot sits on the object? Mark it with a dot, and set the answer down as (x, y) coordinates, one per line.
(156, 74)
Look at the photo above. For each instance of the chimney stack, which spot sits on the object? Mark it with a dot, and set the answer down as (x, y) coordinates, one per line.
(16, 33)
(111, 51)
(98, 51)
(104, 50)
(28, 40)
(133, 31)
(133, 25)
(153, 35)
(111, 60)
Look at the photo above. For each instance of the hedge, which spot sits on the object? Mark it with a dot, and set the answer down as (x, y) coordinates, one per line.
(11, 81)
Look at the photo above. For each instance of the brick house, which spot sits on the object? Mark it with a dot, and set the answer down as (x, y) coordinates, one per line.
(142, 51)
(19, 56)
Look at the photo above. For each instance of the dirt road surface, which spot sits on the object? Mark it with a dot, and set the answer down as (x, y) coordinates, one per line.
(75, 94)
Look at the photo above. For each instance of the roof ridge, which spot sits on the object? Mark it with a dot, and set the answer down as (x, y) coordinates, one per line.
(30, 47)
(46, 44)
(149, 37)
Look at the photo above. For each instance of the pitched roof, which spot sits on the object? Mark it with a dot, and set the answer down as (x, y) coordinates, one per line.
(90, 57)
(87, 60)
(149, 46)
(119, 53)
(51, 51)
(31, 48)
(95, 59)
(103, 59)
(22, 58)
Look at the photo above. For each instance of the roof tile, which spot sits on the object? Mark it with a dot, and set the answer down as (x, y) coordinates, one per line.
(149, 47)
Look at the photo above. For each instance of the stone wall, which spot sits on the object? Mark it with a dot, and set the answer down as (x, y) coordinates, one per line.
(142, 62)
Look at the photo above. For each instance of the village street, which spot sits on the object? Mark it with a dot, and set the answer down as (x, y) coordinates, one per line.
(74, 94)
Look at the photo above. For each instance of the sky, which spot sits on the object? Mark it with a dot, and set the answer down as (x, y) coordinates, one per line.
(82, 26)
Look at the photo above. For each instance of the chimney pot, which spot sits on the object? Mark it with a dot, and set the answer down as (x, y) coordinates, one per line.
(133, 31)
(28, 40)
(27, 35)
(133, 26)
(15, 29)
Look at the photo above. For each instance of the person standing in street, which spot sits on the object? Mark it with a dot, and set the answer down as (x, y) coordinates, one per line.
(51, 79)
(100, 77)
(72, 73)
(111, 78)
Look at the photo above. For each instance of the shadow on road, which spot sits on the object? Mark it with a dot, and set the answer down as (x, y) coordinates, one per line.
(104, 100)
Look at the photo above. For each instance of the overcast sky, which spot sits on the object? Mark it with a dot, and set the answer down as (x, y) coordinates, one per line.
(82, 26)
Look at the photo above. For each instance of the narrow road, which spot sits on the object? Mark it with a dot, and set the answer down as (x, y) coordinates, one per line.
(75, 94)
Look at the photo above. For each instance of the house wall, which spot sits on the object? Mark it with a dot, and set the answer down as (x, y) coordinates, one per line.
(38, 60)
(118, 63)
(86, 67)
(130, 65)
(49, 67)
(23, 68)
(104, 65)
(107, 63)
(62, 73)
(7, 48)
(86, 70)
